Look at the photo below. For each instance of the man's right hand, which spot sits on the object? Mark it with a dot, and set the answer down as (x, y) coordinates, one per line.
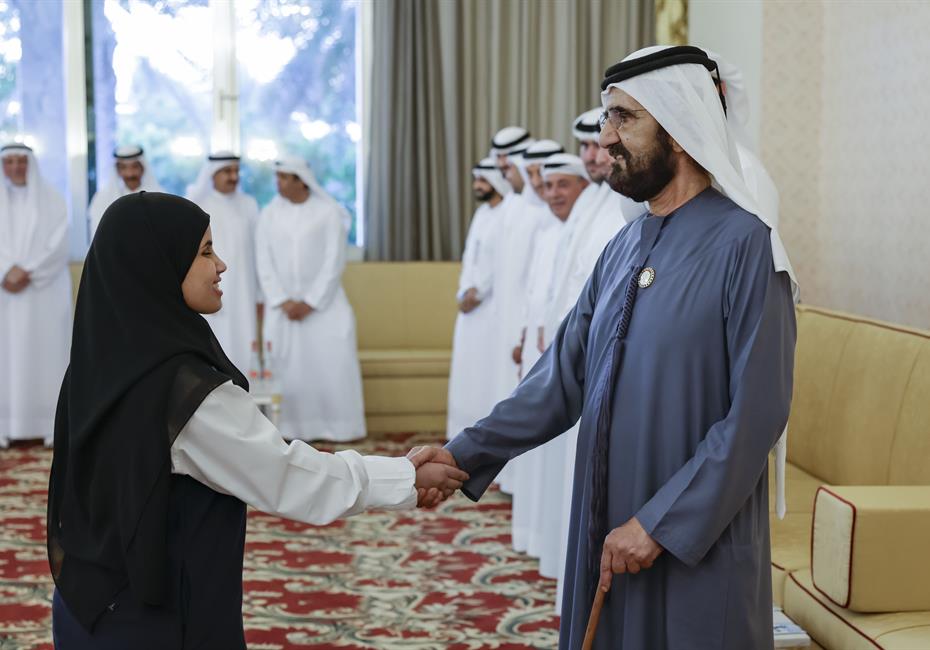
(429, 494)
(469, 301)
(16, 279)
(296, 310)
(436, 482)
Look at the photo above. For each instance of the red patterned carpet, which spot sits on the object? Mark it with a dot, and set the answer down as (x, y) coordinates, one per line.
(426, 580)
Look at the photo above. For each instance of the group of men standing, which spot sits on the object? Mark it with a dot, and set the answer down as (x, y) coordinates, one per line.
(545, 217)
(285, 266)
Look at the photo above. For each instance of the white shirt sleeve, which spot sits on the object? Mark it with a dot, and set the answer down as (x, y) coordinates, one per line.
(229, 446)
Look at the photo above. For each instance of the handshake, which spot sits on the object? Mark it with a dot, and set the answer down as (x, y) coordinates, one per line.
(438, 477)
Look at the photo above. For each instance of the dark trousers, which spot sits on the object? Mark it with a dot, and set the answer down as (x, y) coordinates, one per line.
(129, 625)
(125, 625)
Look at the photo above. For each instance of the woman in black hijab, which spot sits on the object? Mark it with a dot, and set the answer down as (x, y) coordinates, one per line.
(157, 445)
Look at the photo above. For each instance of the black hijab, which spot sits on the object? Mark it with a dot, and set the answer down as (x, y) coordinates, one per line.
(142, 361)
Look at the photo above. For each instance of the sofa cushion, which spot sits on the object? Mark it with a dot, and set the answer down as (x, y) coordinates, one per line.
(834, 627)
(910, 453)
(791, 548)
(867, 398)
(405, 363)
(405, 395)
(821, 340)
(857, 393)
(403, 305)
(869, 547)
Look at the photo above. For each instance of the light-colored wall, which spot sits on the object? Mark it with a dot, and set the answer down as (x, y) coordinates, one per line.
(841, 92)
(733, 29)
(846, 98)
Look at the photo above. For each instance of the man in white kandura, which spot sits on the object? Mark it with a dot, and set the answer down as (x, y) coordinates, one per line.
(522, 470)
(534, 198)
(518, 234)
(512, 257)
(470, 392)
(233, 217)
(301, 254)
(537, 493)
(35, 298)
(132, 175)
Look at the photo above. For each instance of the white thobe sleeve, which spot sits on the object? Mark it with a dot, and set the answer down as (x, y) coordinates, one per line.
(484, 267)
(229, 446)
(264, 263)
(470, 257)
(49, 262)
(328, 278)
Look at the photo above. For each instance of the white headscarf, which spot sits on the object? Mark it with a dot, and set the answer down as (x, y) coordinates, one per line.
(684, 101)
(148, 182)
(537, 154)
(509, 139)
(202, 187)
(565, 163)
(45, 212)
(757, 178)
(587, 126)
(515, 155)
(488, 170)
(736, 96)
(300, 168)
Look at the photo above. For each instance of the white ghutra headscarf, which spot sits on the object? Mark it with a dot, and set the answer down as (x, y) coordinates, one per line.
(201, 188)
(300, 168)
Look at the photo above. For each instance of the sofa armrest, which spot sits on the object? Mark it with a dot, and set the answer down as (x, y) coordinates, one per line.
(869, 547)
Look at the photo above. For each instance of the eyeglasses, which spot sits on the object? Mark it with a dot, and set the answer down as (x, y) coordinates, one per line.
(617, 116)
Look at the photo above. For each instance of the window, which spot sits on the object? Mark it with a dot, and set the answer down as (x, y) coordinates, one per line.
(153, 85)
(32, 90)
(297, 70)
(164, 77)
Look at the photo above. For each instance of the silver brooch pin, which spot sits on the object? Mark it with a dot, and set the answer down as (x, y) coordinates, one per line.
(647, 277)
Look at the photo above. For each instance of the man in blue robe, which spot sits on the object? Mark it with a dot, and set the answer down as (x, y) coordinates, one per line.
(678, 359)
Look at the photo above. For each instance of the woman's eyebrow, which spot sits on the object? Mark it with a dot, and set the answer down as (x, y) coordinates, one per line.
(208, 243)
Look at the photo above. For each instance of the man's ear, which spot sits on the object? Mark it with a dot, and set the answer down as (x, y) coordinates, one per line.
(677, 148)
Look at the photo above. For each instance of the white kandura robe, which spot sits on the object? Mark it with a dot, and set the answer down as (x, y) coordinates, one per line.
(471, 395)
(527, 469)
(511, 269)
(513, 257)
(233, 218)
(301, 254)
(35, 324)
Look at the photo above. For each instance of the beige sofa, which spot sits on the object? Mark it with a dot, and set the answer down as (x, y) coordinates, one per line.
(406, 315)
(860, 417)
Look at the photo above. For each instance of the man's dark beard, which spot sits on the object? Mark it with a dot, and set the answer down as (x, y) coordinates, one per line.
(645, 175)
(484, 197)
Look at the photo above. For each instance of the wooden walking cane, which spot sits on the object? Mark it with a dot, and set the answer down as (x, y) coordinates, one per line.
(593, 620)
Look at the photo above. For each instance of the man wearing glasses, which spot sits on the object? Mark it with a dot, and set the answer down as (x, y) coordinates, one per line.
(678, 358)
